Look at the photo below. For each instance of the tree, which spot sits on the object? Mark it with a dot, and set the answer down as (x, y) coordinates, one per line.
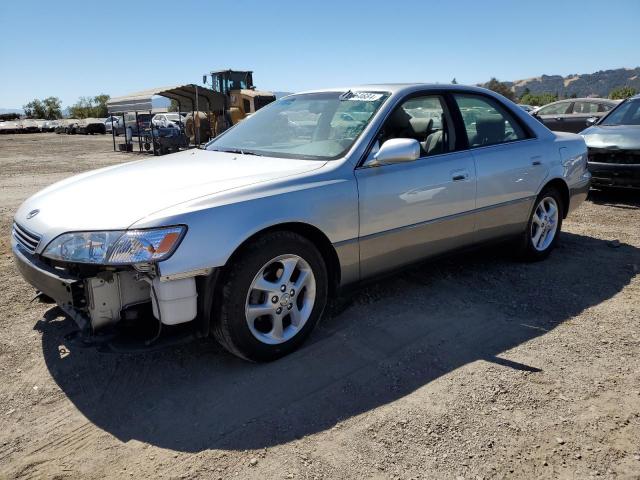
(537, 99)
(49, 108)
(101, 110)
(86, 107)
(173, 107)
(500, 87)
(82, 108)
(621, 93)
(53, 108)
(34, 109)
(454, 81)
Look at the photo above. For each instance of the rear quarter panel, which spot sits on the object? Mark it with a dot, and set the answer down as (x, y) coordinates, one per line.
(572, 169)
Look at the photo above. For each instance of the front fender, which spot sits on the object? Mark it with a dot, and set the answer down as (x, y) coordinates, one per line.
(215, 232)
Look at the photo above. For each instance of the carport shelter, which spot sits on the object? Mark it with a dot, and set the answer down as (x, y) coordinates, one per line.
(188, 96)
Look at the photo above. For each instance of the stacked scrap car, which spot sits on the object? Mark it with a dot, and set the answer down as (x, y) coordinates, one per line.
(9, 127)
(90, 126)
(72, 127)
(29, 126)
(60, 126)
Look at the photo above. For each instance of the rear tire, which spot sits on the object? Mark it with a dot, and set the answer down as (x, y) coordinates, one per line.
(543, 228)
(273, 294)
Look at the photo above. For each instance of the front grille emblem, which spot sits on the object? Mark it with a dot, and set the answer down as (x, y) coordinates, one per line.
(32, 214)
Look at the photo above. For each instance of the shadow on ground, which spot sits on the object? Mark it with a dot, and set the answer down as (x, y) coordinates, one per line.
(379, 344)
(617, 198)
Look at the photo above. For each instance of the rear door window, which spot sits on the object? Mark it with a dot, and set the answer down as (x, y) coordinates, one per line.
(555, 109)
(585, 108)
(486, 122)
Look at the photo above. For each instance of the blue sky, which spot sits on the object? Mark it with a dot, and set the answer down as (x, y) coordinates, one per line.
(74, 48)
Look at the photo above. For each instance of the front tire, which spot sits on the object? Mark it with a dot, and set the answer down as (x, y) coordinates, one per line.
(544, 226)
(273, 294)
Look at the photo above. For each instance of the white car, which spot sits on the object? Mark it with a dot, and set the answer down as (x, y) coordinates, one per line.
(168, 120)
(29, 126)
(108, 123)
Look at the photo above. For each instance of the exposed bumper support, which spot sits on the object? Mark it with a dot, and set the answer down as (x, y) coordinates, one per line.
(106, 297)
(66, 290)
(615, 175)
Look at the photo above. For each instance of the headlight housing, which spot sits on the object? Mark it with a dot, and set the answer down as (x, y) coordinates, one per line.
(118, 247)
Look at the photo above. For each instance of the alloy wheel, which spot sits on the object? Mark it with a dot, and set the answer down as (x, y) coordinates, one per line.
(280, 299)
(544, 225)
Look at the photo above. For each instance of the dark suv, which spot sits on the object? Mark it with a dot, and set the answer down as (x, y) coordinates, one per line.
(571, 115)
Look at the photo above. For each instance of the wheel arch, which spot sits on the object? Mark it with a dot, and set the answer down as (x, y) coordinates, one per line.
(560, 185)
(311, 233)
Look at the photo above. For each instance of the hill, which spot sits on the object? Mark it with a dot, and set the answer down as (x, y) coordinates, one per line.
(597, 84)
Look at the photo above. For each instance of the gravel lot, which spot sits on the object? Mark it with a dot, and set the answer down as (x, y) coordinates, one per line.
(472, 367)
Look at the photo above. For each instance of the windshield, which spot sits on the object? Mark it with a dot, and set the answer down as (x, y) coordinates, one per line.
(320, 126)
(174, 117)
(627, 113)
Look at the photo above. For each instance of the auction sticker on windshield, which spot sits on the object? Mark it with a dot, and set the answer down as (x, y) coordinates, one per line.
(361, 96)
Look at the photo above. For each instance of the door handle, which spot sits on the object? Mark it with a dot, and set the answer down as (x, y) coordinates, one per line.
(459, 175)
(536, 160)
(559, 119)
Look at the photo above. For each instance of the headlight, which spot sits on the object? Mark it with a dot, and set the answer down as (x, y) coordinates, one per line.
(116, 247)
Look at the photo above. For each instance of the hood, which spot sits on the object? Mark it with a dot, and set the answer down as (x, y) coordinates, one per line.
(115, 197)
(625, 137)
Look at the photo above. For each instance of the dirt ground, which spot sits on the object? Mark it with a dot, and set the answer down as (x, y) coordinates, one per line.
(473, 367)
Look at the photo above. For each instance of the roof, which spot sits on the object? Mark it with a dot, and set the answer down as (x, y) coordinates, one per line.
(587, 99)
(185, 94)
(228, 70)
(401, 88)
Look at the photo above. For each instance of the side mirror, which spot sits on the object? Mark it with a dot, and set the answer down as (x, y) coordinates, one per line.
(591, 121)
(397, 150)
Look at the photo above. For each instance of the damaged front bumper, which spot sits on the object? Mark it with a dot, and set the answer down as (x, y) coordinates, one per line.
(66, 290)
(105, 295)
(614, 167)
(615, 175)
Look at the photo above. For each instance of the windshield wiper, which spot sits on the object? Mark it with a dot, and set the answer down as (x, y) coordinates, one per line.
(240, 151)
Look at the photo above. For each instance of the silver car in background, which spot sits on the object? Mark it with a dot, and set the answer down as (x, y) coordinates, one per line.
(248, 238)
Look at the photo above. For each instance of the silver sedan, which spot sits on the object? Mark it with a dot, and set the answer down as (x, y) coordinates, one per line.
(247, 238)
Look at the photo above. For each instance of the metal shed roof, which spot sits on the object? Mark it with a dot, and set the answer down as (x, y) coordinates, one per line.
(208, 100)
